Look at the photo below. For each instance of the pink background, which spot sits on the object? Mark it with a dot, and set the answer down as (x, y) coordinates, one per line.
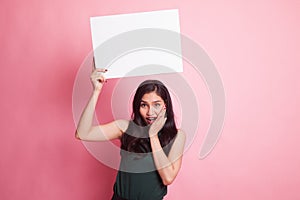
(255, 46)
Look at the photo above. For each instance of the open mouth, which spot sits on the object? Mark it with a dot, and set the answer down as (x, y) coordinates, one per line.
(150, 120)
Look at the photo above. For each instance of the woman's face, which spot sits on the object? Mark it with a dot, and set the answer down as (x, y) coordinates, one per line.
(150, 106)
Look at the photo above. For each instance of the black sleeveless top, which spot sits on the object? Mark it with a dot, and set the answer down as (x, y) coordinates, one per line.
(137, 178)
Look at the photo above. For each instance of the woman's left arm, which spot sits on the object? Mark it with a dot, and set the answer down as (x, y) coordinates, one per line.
(168, 166)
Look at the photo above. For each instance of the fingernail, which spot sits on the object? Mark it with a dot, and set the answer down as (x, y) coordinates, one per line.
(106, 70)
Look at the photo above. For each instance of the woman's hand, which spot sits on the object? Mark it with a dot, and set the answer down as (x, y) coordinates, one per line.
(98, 79)
(158, 124)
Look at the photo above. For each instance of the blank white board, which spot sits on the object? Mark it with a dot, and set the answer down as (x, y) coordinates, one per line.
(135, 62)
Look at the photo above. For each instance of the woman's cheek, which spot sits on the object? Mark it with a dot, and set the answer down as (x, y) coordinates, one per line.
(142, 112)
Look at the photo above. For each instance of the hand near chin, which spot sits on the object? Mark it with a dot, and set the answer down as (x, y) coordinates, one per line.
(158, 124)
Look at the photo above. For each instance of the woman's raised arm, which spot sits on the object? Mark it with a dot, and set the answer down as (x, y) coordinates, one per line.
(85, 130)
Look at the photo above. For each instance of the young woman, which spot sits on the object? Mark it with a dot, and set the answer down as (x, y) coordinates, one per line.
(151, 133)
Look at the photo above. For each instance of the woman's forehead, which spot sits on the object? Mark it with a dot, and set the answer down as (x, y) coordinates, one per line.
(151, 97)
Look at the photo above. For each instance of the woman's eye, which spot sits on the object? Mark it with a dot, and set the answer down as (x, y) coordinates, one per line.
(143, 105)
(157, 105)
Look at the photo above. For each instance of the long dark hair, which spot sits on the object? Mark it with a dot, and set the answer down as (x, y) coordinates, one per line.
(142, 144)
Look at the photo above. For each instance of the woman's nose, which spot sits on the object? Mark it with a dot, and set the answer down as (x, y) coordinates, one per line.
(150, 111)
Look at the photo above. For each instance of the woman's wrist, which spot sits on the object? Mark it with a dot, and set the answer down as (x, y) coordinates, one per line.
(154, 137)
(96, 91)
(95, 96)
(155, 143)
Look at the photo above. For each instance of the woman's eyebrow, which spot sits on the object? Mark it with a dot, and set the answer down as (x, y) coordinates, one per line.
(156, 101)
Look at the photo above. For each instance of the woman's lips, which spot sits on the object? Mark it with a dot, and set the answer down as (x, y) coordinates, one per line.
(150, 120)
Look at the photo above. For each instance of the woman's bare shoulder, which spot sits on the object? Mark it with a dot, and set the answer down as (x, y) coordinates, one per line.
(180, 131)
(181, 135)
(122, 124)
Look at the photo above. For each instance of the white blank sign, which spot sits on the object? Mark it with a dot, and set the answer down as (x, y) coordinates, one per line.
(104, 28)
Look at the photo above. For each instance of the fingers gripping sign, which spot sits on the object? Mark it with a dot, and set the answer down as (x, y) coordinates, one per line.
(97, 78)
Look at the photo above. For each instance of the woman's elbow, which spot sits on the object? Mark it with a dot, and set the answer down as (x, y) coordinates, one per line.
(168, 181)
(77, 135)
